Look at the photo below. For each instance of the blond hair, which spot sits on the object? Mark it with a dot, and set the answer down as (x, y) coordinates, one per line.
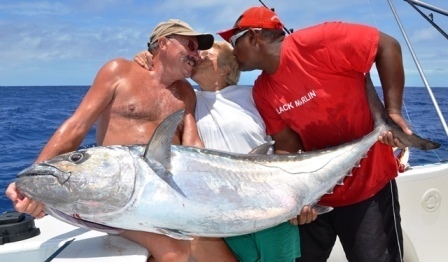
(226, 58)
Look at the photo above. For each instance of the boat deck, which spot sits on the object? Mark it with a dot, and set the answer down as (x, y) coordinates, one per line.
(87, 245)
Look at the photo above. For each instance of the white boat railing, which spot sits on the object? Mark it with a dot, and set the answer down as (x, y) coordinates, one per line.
(428, 6)
(430, 17)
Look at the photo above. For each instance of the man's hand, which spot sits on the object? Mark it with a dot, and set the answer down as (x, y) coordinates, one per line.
(23, 204)
(144, 59)
(388, 138)
(307, 215)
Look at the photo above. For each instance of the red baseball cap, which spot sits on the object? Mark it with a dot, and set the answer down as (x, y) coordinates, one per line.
(254, 17)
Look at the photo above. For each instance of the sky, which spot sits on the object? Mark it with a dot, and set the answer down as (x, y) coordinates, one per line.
(50, 43)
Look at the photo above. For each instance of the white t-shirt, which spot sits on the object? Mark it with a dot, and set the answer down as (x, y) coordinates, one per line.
(228, 120)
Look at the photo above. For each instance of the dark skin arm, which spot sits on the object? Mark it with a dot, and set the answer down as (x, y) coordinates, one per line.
(287, 141)
(390, 68)
(389, 63)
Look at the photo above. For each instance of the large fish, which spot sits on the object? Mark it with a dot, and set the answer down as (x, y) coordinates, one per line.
(185, 191)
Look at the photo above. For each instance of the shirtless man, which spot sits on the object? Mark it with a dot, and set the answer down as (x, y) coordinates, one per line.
(127, 102)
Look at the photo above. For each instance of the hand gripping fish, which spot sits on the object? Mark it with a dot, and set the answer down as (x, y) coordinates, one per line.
(185, 191)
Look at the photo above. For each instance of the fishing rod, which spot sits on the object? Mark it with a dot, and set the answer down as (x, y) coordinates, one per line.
(284, 27)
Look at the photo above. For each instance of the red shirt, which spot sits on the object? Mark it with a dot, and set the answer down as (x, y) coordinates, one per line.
(318, 90)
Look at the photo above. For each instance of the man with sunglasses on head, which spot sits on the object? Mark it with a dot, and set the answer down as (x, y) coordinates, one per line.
(127, 103)
(311, 95)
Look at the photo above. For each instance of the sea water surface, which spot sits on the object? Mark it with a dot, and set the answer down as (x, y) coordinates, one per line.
(29, 116)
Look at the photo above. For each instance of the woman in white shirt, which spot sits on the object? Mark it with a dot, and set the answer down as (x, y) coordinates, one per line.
(228, 120)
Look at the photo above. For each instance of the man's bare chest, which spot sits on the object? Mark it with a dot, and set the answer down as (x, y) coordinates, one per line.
(153, 105)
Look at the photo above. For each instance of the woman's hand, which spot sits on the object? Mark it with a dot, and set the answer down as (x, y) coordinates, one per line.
(144, 59)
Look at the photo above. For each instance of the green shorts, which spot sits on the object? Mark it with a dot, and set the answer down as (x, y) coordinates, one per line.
(280, 243)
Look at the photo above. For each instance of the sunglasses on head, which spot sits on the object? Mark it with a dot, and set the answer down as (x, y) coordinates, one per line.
(191, 45)
(235, 37)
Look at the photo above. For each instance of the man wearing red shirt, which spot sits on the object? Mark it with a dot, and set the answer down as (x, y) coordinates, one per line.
(311, 94)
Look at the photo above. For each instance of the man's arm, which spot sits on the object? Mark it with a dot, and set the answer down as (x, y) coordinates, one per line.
(71, 133)
(287, 141)
(389, 63)
(190, 134)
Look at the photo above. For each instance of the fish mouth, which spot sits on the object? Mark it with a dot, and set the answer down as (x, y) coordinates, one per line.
(39, 179)
(41, 169)
(44, 169)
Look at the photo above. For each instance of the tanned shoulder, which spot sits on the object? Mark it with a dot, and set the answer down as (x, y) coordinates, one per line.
(110, 75)
(118, 66)
(187, 91)
(185, 87)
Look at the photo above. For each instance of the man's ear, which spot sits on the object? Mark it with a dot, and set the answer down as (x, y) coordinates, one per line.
(254, 37)
(163, 41)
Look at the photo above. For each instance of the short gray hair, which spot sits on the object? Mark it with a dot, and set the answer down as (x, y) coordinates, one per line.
(226, 58)
(153, 47)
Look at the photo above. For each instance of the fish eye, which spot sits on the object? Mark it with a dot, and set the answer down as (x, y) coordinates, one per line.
(75, 157)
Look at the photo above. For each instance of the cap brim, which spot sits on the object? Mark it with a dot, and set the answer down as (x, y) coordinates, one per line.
(227, 34)
(205, 41)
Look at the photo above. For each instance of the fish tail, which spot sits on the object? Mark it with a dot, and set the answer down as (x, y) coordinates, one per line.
(380, 116)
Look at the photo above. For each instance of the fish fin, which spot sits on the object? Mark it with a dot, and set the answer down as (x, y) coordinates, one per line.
(322, 209)
(159, 146)
(173, 233)
(262, 149)
(165, 175)
(168, 178)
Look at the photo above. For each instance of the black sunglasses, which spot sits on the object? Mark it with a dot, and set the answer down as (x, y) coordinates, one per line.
(191, 45)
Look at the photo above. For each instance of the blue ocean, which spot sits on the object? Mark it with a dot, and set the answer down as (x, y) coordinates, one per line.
(29, 115)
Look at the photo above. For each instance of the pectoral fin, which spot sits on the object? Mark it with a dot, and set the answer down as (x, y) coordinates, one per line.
(262, 149)
(322, 209)
(176, 234)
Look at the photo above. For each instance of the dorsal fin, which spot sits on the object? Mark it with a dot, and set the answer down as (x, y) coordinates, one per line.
(159, 146)
(262, 149)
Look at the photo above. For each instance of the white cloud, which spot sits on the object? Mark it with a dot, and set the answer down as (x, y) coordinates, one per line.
(32, 8)
(425, 34)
